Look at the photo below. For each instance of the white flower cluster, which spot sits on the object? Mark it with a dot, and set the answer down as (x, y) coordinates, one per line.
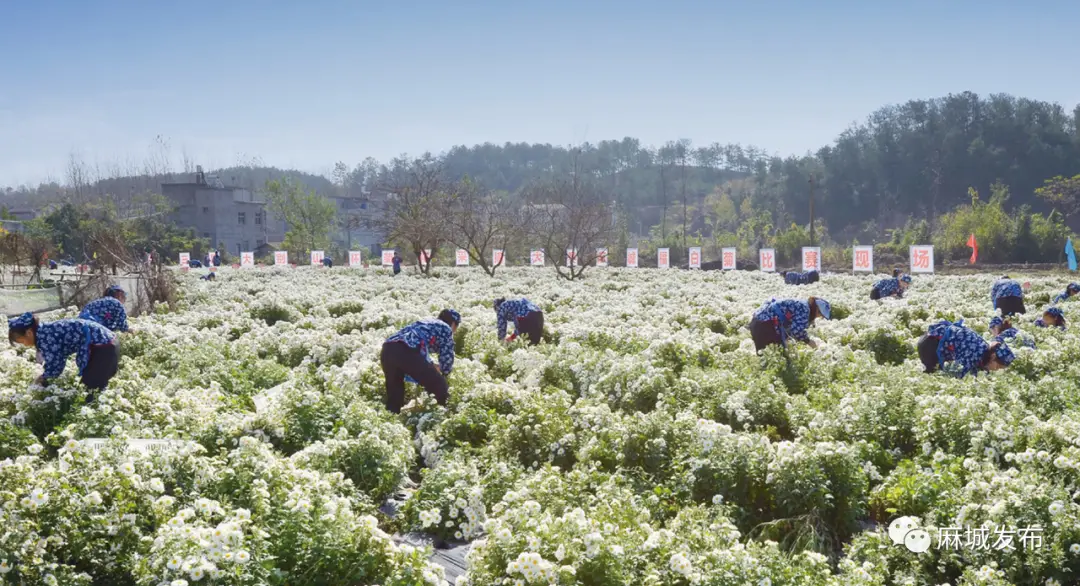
(647, 442)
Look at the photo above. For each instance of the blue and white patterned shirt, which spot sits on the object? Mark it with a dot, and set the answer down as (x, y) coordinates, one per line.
(107, 311)
(794, 278)
(1042, 324)
(790, 317)
(1005, 288)
(59, 339)
(429, 335)
(959, 344)
(1014, 338)
(888, 287)
(513, 310)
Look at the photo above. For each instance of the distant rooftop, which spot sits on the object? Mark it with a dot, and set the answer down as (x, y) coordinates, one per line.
(202, 185)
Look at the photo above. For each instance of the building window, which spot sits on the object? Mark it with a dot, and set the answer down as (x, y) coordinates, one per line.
(205, 234)
(205, 210)
(246, 244)
(259, 242)
(258, 218)
(241, 218)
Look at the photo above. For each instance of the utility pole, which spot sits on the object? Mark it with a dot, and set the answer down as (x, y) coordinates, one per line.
(811, 182)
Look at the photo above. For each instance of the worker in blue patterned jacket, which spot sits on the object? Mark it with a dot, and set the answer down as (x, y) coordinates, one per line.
(527, 317)
(1003, 331)
(109, 310)
(797, 278)
(93, 345)
(966, 349)
(776, 322)
(1052, 317)
(1008, 296)
(890, 287)
(406, 354)
(1070, 291)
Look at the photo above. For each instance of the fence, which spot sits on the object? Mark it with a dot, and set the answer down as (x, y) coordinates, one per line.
(69, 289)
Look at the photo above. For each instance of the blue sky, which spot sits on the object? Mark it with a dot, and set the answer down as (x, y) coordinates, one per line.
(304, 84)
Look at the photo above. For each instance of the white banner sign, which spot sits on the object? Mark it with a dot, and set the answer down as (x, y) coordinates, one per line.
(185, 258)
(536, 258)
(695, 257)
(727, 259)
(663, 258)
(601, 257)
(571, 257)
(211, 256)
(631, 258)
(462, 257)
(247, 259)
(811, 258)
(316, 257)
(497, 257)
(862, 259)
(355, 258)
(387, 257)
(767, 260)
(281, 258)
(922, 258)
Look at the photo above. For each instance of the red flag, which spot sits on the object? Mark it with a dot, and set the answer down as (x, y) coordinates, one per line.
(974, 248)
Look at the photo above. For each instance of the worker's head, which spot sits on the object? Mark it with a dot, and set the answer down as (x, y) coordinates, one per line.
(498, 303)
(813, 277)
(1072, 289)
(23, 329)
(997, 357)
(905, 281)
(116, 292)
(1026, 286)
(1053, 316)
(998, 325)
(451, 318)
(819, 307)
(895, 273)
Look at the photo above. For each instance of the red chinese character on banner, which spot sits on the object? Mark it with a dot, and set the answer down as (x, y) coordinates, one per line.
(663, 258)
(631, 258)
(862, 259)
(537, 257)
(602, 256)
(767, 260)
(810, 261)
(921, 259)
(498, 257)
(729, 259)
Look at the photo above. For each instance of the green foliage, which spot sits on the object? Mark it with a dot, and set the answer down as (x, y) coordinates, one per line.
(1063, 192)
(309, 215)
(988, 221)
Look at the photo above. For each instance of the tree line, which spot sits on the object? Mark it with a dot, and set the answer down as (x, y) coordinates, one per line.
(904, 171)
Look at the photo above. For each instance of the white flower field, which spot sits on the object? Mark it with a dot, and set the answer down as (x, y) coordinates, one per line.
(643, 443)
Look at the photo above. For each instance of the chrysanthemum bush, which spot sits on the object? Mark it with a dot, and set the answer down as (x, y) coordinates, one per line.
(644, 443)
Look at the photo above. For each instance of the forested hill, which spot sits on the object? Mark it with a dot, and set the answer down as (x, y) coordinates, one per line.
(914, 160)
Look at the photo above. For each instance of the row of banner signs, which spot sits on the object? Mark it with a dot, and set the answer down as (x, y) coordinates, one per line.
(921, 258)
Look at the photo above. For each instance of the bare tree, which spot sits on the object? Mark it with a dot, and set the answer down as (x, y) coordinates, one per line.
(77, 176)
(480, 221)
(682, 153)
(570, 214)
(415, 209)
